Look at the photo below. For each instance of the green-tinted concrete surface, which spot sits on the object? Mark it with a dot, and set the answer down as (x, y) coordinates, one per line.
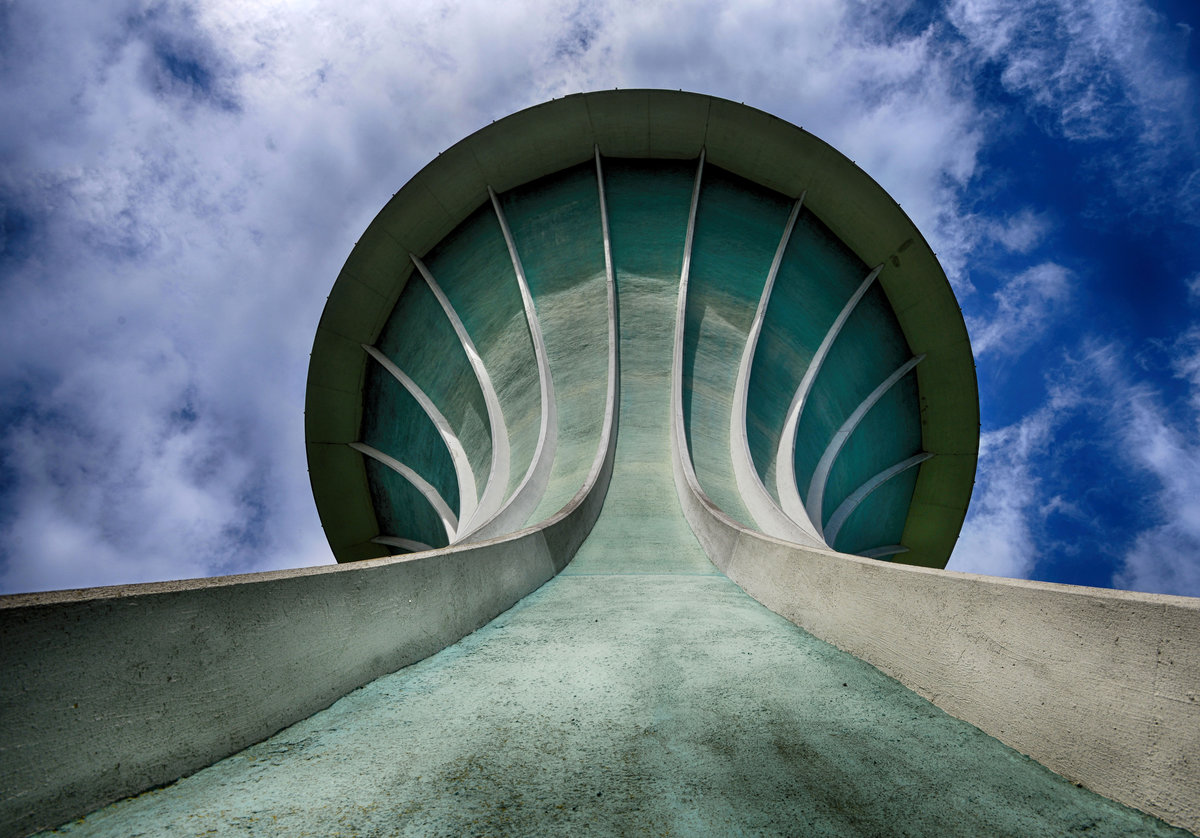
(662, 704)
(631, 703)
(640, 692)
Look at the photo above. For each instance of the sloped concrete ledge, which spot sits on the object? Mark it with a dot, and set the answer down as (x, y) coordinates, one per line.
(1100, 686)
(106, 692)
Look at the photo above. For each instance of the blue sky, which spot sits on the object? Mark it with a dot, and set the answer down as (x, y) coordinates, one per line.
(180, 183)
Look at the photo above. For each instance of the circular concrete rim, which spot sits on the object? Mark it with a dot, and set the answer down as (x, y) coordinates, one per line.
(554, 135)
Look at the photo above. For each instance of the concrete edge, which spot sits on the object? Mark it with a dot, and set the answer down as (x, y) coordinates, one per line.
(1100, 686)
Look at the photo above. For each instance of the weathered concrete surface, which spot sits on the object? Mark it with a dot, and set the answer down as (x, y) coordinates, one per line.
(635, 703)
(1101, 686)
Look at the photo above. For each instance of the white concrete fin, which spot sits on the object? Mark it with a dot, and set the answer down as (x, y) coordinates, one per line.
(497, 481)
(608, 261)
(606, 448)
(403, 543)
(820, 476)
(612, 399)
(467, 493)
(449, 519)
(683, 456)
(884, 552)
(766, 512)
(846, 508)
(785, 455)
(520, 505)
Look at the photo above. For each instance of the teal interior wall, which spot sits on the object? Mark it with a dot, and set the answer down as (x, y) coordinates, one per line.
(555, 224)
(474, 269)
(869, 349)
(403, 509)
(420, 340)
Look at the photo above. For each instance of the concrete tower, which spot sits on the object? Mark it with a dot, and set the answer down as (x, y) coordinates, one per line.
(597, 385)
(795, 337)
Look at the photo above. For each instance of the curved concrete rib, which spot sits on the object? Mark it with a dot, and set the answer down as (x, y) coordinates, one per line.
(467, 492)
(884, 552)
(497, 482)
(846, 508)
(785, 463)
(820, 476)
(682, 455)
(755, 496)
(403, 543)
(607, 446)
(449, 520)
(517, 509)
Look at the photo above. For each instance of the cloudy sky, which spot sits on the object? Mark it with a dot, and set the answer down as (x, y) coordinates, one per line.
(180, 183)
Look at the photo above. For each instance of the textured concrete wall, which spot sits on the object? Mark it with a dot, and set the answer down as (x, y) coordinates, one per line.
(1100, 686)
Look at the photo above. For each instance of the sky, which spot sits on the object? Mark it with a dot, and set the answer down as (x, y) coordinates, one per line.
(181, 182)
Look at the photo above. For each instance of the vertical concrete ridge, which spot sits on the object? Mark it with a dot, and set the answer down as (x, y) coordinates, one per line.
(520, 504)
(758, 500)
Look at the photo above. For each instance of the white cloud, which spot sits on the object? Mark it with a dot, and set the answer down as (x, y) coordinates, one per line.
(1142, 443)
(999, 535)
(1193, 287)
(1024, 308)
(1094, 70)
(1165, 555)
(1019, 233)
(1087, 61)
